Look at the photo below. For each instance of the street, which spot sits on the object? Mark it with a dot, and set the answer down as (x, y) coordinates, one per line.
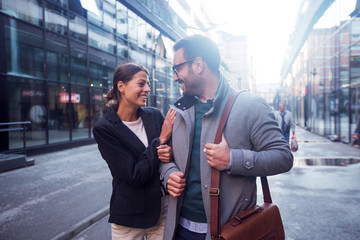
(64, 191)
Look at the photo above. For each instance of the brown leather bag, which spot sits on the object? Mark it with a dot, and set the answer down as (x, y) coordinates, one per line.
(259, 222)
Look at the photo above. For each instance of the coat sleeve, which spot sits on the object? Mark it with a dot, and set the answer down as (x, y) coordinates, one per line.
(134, 171)
(268, 152)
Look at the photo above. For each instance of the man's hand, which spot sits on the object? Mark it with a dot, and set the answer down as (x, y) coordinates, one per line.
(218, 155)
(176, 184)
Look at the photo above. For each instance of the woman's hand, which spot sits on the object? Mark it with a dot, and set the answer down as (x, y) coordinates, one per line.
(165, 153)
(167, 126)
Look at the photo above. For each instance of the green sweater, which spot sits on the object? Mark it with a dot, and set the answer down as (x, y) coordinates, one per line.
(193, 208)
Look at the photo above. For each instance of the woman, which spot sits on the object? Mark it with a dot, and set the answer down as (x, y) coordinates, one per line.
(132, 139)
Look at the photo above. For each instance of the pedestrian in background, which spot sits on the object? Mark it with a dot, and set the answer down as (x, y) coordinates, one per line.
(285, 120)
(252, 144)
(132, 140)
(356, 134)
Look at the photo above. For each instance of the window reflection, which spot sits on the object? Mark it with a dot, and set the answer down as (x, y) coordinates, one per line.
(122, 20)
(109, 14)
(133, 23)
(101, 39)
(58, 113)
(55, 19)
(27, 103)
(150, 37)
(137, 55)
(97, 105)
(122, 48)
(78, 66)
(57, 66)
(27, 10)
(100, 71)
(81, 119)
(77, 27)
(142, 33)
(24, 54)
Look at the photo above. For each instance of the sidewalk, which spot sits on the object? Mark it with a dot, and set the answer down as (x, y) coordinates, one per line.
(67, 191)
(61, 194)
(315, 146)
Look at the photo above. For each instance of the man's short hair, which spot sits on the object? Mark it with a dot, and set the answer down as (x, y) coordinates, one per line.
(200, 46)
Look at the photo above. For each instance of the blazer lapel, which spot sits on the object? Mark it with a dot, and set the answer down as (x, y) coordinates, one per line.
(128, 137)
(149, 125)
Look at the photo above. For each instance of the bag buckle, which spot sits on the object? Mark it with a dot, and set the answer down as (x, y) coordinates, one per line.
(214, 191)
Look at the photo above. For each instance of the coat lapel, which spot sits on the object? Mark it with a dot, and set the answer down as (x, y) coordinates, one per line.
(149, 125)
(126, 136)
(181, 153)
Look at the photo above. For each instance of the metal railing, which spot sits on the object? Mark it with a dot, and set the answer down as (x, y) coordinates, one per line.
(23, 127)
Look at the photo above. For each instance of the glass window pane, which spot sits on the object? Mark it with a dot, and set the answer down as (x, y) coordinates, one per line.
(133, 24)
(58, 113)
(137, 55)
(150, 60)
(122, 48)
(97, 106)
(96, 19)
(78, 67)
(142, 36)
(344, 109)
(121, 20)
(101, 69)
(77, 27)
(55, 19)
(27, 103)
(81, 118)
(62, 3)
(161, 64)
(101, 39)
(57, 66)
(27, 10)
(57, 59)
(99, 75)
(150, 35)
(109, 11)
(24, 52)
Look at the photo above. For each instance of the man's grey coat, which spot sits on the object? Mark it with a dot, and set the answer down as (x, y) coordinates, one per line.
(257, 146)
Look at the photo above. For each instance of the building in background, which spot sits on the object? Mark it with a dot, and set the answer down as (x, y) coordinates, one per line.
(57, 60)
(321, 74)
(235, 58)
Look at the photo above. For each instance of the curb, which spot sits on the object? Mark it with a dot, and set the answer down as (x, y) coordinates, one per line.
(71, 232)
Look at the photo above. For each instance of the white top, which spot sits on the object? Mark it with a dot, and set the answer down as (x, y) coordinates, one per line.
(138, 128)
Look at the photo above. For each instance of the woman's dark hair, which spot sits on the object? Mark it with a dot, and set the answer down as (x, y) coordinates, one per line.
(124, 73)
(200, 46)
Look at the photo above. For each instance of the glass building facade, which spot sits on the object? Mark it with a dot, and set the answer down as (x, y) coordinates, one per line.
(57, 61)
(322, 84)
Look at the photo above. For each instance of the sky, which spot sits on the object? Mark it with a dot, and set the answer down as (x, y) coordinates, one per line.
(267, 24)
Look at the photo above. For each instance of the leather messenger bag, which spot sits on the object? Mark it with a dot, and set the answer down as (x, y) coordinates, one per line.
(259, 222)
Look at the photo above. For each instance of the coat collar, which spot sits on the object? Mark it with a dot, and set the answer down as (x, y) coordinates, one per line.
(222, 90)
(148, 122)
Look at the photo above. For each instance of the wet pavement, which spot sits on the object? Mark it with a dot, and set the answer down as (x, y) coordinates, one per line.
(65, 195)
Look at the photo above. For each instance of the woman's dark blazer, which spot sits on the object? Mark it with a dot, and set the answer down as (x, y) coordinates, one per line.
(136, 197)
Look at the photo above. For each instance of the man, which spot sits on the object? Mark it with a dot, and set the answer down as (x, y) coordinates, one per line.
(285, 120)
(252, 144)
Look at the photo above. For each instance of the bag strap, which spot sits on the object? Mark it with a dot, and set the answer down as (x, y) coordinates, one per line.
(214, 191)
